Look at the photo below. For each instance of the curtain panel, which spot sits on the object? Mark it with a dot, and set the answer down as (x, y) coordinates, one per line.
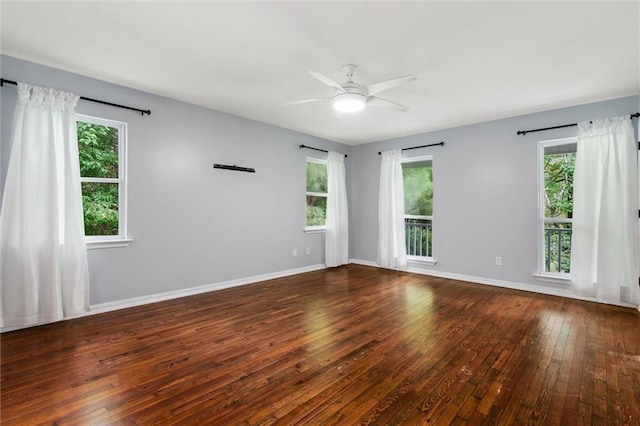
(605, 257)
(44, 275)
(392, 252)
(337, 225)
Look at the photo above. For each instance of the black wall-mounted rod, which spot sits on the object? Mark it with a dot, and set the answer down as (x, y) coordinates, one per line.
(317, 149)
(234, 167)
(417, 147)
(97, 101)
(524, 132)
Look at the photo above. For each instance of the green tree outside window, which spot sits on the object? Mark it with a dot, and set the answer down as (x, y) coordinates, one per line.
(316, 193)
(99, 160)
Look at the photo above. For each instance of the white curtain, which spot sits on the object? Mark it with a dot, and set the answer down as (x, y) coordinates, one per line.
(336, 247)
(43, 261)
(392, 252)
(605, 258)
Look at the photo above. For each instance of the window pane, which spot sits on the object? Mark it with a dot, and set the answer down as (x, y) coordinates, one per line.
(418, 188)
(558, 184)
(98, 150)
(100, 204)
(418, 237)
(316, 177)
(557, 247)
(316, 210)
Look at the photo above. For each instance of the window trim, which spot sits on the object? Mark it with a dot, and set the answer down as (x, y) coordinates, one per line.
(312, 229)
(541, 274)
(428, 260)
(122, 239)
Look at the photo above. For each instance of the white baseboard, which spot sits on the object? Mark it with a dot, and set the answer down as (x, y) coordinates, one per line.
(175, 294)
(365, 263)
(159, 297)
(493, 282)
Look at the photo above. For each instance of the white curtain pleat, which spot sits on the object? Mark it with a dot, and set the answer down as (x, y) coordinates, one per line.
(392, 252)
(44, 274)
(605, 257)
(337, 225)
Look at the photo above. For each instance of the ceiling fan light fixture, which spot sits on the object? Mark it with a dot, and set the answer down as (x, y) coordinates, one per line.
(348, 102)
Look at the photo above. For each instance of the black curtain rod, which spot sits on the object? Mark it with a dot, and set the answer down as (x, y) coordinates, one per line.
(141, 111)
(524, 132)
(417, 147)
(317, 149)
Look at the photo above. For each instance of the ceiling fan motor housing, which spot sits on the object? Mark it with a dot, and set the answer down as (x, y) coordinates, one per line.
(354, 88)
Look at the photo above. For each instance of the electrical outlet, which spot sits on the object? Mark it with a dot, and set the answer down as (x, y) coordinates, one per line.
(295, 252)
(308, 250)
(499, 261)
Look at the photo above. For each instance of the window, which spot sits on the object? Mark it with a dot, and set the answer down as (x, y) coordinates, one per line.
(316, 193)
(102, 149)
(556, 165)
(417, 176)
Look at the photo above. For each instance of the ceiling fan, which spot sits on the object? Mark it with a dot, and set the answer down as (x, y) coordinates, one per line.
(351, 96)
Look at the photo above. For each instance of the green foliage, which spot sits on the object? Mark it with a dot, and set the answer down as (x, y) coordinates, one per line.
(418, 200)
(558, 182)
(316, 205)
(316, 210)
(558, 202)
(316, 177)
(100, 204)
(418, 188)
(98, 152)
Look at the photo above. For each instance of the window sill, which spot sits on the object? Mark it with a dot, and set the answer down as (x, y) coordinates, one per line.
(314, 229)
(564, 279)
(103, 244)
(429, 261)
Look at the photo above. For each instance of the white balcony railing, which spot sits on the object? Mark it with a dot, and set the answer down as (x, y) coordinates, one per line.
(557, 248)
(418, 234)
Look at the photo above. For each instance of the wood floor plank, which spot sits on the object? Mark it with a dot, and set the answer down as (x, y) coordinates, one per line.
(348, 345)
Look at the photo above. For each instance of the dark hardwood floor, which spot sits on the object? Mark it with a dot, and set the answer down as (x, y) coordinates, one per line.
(352, 345)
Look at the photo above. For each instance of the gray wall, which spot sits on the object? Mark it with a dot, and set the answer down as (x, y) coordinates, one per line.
(192, 225)
(485, 191)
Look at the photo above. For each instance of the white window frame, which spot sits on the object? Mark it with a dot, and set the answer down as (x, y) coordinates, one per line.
(422, 259)
(314, 228)
(120, 240)
(542, 275)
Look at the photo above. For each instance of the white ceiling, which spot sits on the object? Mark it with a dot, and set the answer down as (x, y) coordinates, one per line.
(474, 61)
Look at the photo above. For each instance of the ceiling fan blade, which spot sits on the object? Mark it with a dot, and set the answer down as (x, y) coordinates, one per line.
(304, 101)
(379, 102)
(326, 80)
(388, 84)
